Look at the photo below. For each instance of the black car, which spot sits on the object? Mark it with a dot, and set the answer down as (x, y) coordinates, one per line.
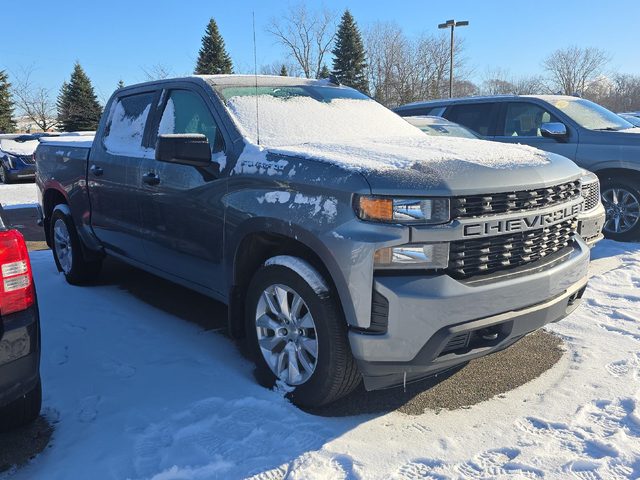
(20, 387)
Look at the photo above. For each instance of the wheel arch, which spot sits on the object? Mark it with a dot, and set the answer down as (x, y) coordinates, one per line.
(261, 239)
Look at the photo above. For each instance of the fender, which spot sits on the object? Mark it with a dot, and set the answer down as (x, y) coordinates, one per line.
(294, 232)
(615, 164)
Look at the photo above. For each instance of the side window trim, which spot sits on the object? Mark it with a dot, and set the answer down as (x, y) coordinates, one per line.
(147, 137)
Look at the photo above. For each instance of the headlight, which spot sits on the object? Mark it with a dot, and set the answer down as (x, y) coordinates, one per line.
(423, 256)
(422, 211)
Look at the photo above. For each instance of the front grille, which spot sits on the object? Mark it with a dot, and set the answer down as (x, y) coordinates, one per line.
(28, 160)
(591, 194)
(479, 205)
(479, 256)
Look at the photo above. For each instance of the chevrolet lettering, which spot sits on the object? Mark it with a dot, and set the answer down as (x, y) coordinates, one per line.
(530, 222)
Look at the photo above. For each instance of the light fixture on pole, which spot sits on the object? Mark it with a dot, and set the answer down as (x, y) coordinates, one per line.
(452, 24)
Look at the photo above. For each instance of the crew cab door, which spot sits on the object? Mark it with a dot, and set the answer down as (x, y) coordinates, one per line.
(114, 174)
(182, 209)
(520, 122)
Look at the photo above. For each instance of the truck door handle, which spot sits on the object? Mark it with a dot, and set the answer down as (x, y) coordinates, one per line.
(151, 178)
(97, 171)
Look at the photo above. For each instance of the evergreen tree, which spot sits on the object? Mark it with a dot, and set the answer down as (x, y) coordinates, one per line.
(324, 72)
(350, 59)
(7, 123)
(120, 84)
(283, 71)
(212, 57)
(78, 107)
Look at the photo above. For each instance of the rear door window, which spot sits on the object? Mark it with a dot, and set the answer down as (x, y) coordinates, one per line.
(524, 119)
(126, 125)
(186, 112)
(479, 117)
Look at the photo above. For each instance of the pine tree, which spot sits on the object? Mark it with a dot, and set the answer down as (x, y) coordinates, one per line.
(213, 58)
(120, 84)
(283, 71)
(324, 72)
(350, 60)
(7, 123)
(78, 107)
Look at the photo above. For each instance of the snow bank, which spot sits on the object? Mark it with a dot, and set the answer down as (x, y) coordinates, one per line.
(138, 393)
(362, 134)
(19, 194)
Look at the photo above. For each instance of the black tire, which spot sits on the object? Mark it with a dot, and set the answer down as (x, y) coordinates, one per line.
(4, 175)
(22, 411)
(336, 373)
(81, 271)
(632, 186)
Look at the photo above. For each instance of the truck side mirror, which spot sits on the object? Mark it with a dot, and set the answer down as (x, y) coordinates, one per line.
(185, 149)
(555, 130)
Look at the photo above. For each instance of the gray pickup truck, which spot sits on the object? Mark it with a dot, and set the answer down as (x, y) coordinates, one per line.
(346, 243)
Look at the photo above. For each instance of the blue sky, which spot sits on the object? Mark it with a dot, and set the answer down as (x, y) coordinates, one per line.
(112, 40)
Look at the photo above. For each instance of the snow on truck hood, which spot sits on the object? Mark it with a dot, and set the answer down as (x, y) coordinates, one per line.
(363, 135)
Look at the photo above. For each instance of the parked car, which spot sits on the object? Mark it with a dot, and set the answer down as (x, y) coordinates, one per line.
(592, 136)
(20, 387)
(346, 243)
(591, 219)
(16, 157)
(632, 119)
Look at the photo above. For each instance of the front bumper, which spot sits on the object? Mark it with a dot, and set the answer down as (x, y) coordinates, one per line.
(19, 354)
(22, 173)
(435, 323)
(590, 225)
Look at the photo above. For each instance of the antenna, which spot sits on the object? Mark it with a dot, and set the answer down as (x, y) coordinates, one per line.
(255, 71)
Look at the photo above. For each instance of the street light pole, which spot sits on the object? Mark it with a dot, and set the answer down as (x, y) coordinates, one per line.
(452, 24)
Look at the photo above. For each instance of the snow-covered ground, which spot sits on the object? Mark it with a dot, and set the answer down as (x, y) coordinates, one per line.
(138, 393)
(18, 194)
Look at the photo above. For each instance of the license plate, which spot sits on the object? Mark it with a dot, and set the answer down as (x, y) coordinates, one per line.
(589, 228)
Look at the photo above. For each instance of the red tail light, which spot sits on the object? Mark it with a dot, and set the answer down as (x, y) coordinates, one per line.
(16, 282)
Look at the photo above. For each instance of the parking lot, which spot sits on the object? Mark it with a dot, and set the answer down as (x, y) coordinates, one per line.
(144, 367)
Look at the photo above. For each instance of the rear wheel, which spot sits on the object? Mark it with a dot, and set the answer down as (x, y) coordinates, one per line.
(621, 200)
(22, 411)
(67, 250)
(297, 333)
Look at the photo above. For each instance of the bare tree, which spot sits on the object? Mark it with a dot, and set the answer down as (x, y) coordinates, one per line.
(306, 35)
(275, 68)
(572, 69)
(159, 71)
(33, 100)
(498, 81)
(407, 69)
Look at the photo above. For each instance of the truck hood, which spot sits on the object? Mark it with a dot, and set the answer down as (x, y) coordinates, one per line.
(443, 166)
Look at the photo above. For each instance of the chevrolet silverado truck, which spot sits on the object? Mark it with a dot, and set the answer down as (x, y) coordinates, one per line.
(346, 243)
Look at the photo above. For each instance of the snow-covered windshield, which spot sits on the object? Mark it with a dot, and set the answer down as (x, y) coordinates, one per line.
(294, 115)
(590, 115)
(19, 146)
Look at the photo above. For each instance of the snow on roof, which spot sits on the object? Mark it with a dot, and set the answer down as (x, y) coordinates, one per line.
(362, 134)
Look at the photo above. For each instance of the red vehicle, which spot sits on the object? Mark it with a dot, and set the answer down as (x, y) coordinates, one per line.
(20, 387)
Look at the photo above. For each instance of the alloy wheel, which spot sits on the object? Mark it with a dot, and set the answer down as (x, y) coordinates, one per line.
(62, 243)
(286, 334)
(623, 210)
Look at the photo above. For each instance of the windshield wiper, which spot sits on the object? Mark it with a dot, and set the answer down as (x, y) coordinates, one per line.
(608, 129)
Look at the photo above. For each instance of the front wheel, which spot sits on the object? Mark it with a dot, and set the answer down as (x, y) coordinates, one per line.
(67, 250)
(621, 200)
(297, 333)
(4, 175)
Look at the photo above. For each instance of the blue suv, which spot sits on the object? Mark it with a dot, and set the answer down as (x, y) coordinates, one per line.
(16, 157)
